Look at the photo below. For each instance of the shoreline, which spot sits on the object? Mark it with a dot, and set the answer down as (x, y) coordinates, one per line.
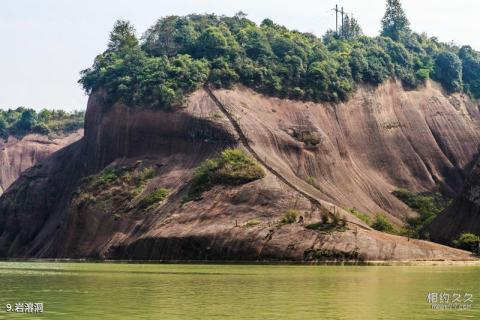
(461, 263)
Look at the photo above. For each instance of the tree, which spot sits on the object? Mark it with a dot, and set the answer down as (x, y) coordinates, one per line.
(122, 36)
(3, 129)
(211, 43)
(27, 121)
(350, 29)
(395, 23)
(471, 70)
(448, 71)
(170, 36)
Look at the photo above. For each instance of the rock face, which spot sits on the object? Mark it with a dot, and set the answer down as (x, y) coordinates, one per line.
(464, 213)
(16, 155)
(318, 158)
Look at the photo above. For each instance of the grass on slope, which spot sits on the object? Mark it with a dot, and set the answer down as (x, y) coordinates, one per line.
(230, 167)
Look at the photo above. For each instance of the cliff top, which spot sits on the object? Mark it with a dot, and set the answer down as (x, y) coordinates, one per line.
(179, 54)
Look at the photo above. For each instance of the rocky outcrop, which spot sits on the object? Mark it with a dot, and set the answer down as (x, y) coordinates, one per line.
(464, 213)
(318, 158)
(16, 155)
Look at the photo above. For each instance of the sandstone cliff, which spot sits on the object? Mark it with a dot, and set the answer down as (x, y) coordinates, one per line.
(317, 157)
(464, 213)
(16, 155)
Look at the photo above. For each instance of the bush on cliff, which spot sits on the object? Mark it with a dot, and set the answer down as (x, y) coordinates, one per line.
(382, 224)
(428, 206)
(467, 241)
(290, 216)
(230, 167)
(180, 53)
(156, 196)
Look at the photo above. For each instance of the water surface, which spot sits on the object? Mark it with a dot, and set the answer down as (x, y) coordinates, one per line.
(171, 291)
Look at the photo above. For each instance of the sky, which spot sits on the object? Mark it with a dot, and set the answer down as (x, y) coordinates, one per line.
(46, 43)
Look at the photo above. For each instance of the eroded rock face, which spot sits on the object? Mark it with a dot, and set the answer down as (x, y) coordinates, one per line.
(16, 155)
(382, 139)
(348, 155)
(464, 213)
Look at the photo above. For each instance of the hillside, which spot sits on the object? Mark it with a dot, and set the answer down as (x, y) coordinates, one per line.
(215, 138)
(74, 218)
(19, 154)
(27, 137)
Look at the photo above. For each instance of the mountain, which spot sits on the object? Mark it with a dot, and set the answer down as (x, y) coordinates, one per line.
(383, 138)
(28, 136)
(215, 138)
(17, 155)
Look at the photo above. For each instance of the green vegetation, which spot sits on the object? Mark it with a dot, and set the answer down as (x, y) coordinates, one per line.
(395, 23)
(230, 167)
(178, 54)
(428, 206)
(362, 216)
(290, 216)
(158, 195)
(382, 224)
(330, 255)
(252, 223)
(105, 177)
(146, 173)
(22, 121)
(117, 190)
(467, 241)
(311, 181)
(336, 223)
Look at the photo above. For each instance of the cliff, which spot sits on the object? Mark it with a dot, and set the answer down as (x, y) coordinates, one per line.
(464, 213)
(16, 155)
(318, 158)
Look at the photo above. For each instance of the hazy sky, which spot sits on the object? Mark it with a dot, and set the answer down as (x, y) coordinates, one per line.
(45, 43)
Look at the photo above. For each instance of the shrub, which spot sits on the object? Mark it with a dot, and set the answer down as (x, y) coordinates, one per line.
(428, 206)
(382, 224)
(230, 167)
(146, 173)
(311, 181)
(361, 216)
(290, 216)
(337, 223)
(252, 223)
(105, 177)
(158, 195)
(467, 241)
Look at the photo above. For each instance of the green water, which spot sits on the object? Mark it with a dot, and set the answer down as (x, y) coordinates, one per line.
(148, 291)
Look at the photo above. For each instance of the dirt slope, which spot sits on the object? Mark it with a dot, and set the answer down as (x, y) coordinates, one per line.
(354, 154)
(16, 155)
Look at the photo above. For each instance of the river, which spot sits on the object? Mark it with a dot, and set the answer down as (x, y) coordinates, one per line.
(212, 291)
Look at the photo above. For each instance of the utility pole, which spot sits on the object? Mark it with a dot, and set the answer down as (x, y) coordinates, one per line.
(337, 11)
(336, 19)
(343, 30)
(343, 13)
